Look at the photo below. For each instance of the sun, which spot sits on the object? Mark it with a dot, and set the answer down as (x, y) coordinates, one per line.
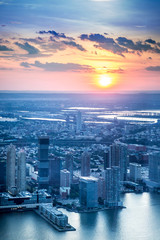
(104, 81)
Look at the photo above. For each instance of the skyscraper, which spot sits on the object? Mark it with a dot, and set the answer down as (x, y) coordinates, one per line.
(54, 172)
(89, 192)
(118, 157)
(69, 165)
(154, 167)
(85, 164)
(10, 170)
(21, 171)
(112, 183)
(43, 167)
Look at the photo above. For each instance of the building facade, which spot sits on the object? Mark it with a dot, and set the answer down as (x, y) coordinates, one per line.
(118, 157)
(154, 167)
(85, 164)
(89, 192)
(21, 171)
(11, 170)
(135, 172)
(112, 183)
(43, 166)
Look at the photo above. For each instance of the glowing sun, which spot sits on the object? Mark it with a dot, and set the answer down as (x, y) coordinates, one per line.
(104, 81)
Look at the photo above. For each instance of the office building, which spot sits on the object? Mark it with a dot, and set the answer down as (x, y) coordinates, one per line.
(43, 166)
(154, 167)
(54, 172)
(89, 192)
(112, 185)
(85, 164)
(21, 171)
(10, 170)
(135, 172)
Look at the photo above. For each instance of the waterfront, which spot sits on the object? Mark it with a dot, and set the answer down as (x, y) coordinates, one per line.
(140, 221)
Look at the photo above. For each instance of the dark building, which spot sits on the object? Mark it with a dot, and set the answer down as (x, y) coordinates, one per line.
(54, 172)
(106, 160)
(2, 175)
(85, 164)
(43, 166)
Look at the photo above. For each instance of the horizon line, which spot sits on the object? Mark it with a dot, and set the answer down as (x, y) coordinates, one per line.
(80, 92)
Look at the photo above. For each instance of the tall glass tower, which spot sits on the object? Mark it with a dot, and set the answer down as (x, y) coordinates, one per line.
(43, 166)
(10, 170)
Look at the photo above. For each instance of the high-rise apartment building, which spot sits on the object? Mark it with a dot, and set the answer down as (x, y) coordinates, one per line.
(43, 166)
(21, 171)
(65, 178)
(85, 164)
(118, 157)
(65, 183)
(112, 183)
(89, 192)
(10, 170)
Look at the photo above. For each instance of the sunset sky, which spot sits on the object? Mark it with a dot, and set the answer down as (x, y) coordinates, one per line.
(80, 45)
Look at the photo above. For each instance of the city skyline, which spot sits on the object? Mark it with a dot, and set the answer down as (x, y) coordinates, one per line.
(92, 45)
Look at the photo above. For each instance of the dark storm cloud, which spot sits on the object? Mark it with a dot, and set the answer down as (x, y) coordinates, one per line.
(58, 67)
(29, 48)
(151, 41)
(4, 48)
(74, 44)
(56, 34)
(137, 46)
(153, 68)
(104, 43)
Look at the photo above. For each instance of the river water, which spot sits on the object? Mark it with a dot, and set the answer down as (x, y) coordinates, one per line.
(140, 220)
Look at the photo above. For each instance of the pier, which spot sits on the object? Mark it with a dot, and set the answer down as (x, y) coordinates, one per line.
(56, 218)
